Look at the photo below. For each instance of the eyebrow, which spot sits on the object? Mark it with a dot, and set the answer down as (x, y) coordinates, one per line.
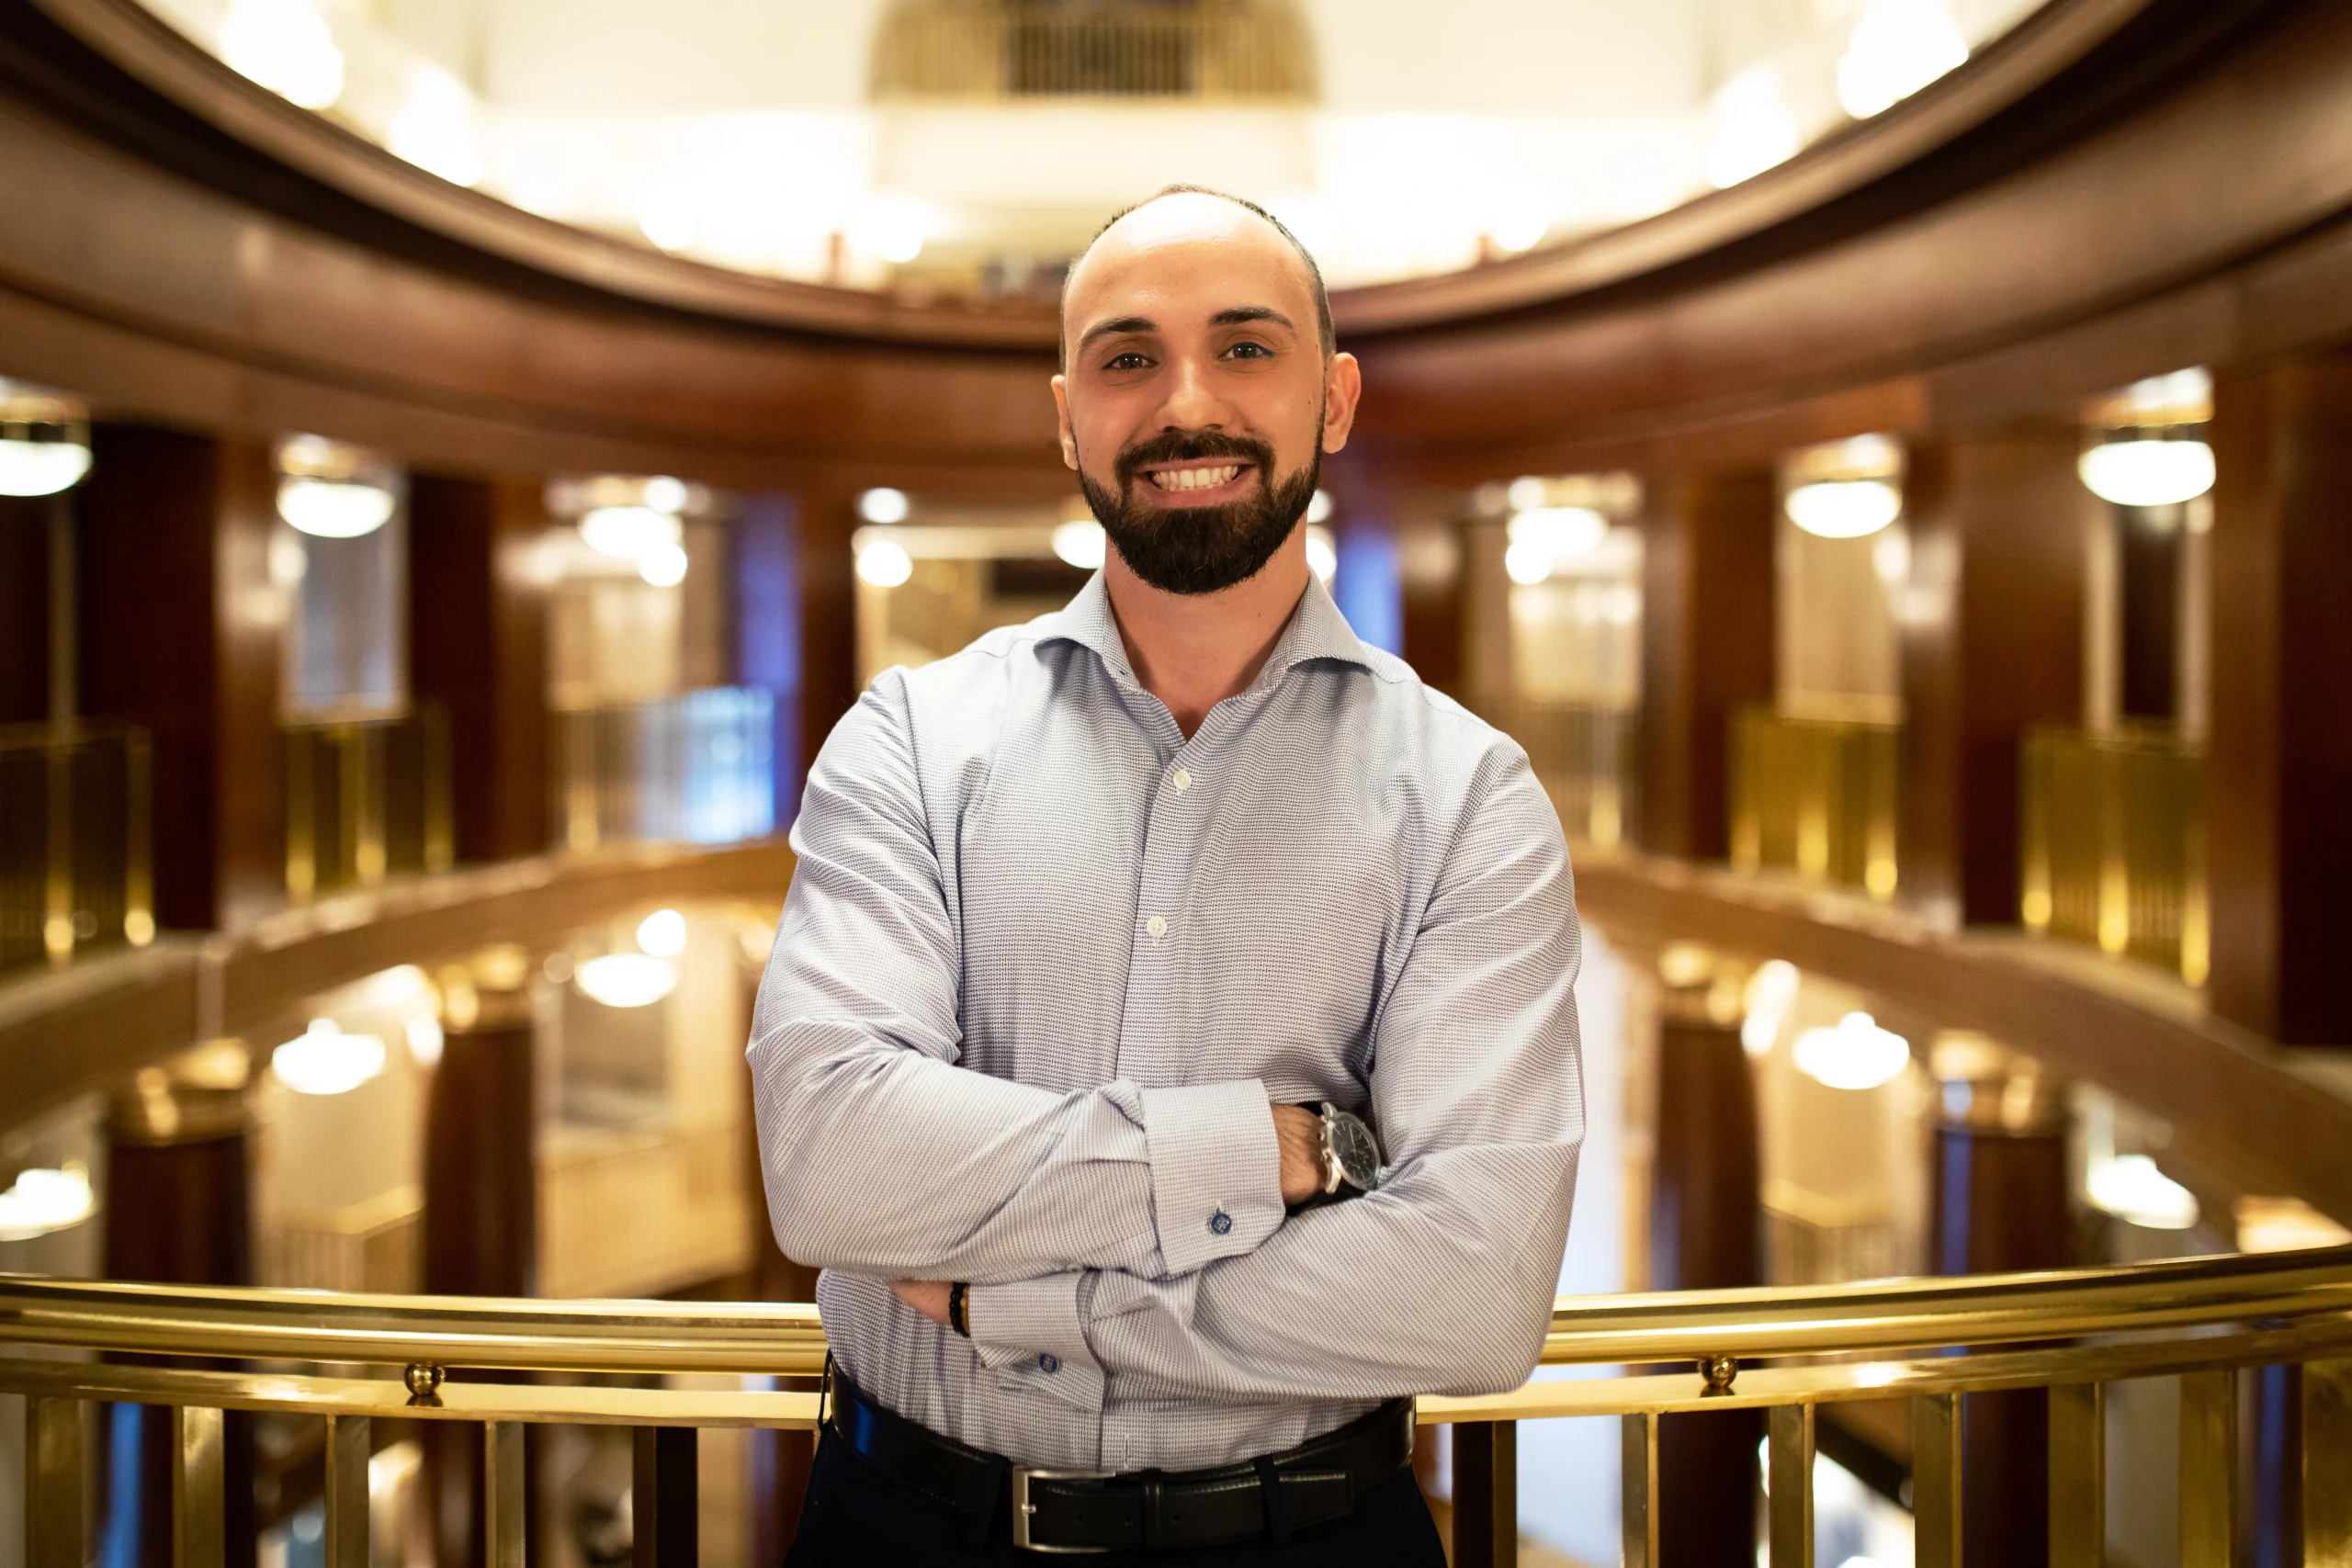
(1231, 316)
(1116, 326)
(1238, 314)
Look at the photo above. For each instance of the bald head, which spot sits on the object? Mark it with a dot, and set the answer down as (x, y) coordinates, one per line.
(1239, 233)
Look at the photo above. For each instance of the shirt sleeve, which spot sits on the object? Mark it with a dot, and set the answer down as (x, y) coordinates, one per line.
(882, 1156)
(1442, 1281)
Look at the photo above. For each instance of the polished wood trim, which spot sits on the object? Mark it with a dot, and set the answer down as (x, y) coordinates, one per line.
(2133, 1031)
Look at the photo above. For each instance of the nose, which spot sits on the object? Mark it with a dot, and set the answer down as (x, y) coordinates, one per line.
(1192, 402)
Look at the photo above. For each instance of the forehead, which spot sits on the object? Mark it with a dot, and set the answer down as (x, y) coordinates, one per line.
(1185, 253)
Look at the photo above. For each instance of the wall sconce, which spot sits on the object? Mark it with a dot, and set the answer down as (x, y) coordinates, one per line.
(44, 441)
(1846, 490)
(2148, 449)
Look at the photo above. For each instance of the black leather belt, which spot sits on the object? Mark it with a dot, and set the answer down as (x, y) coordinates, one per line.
(1067, 1510)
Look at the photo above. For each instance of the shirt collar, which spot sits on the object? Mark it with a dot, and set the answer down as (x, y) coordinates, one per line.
(1315, 630)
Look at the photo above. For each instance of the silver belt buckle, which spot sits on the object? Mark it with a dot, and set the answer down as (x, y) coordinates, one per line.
(1023, 1509)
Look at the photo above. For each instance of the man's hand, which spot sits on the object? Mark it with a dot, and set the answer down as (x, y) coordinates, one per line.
(1299, 1131)
(928, 1297)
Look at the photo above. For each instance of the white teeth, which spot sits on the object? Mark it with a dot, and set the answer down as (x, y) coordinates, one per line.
(1195, 478)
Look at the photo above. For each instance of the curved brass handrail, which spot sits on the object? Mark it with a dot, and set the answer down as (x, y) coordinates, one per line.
(2271, 1289)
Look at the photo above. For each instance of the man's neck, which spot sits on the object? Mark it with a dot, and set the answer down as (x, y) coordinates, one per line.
(1194, 650)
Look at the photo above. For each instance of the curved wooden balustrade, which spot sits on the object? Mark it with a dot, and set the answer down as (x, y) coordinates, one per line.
(2200, 1319)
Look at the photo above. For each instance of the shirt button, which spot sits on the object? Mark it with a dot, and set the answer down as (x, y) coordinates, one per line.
(1156, 927)
(1220, 1223)
(1049, 1362)
(1183, 781)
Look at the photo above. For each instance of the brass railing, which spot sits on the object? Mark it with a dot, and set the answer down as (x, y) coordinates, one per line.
(1588, 760)
(992, 50)
(366, 799)
(75, 865)
(695, 768)
(1787, 1351)
(2114, 845)
(1815, 797)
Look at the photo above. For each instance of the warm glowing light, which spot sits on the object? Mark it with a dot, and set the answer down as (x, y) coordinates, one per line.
(1318, 507)
(632, 533)
(286, 46)
(1322, 553)
(1527, 564)
(334, 509)
(883, 504)
(1082, 544)
(662, 933)
(1845, 509)
(425, 1039)
(2131, 1188)
(42, 467)
(664, 565)
(325, 1060)
(883, 563)
(2284, 1224)
(1771, 991)
(434, 127)
(43, 1200)
(1853, 1054)
(893, 228)
(2148, 471)
(1753, 130)
(665, 494)
(1563, 533)
(628, 979)
(1897, 48)
(1527, 492)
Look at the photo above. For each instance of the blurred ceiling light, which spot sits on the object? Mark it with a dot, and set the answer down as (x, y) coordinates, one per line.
(662, 933)
(424, 1038)
(1853, 1054)
(434, 127)
(664, 565)
(42, 1200)
(1527, 565)
(44, 441)
(1845, 509)
(1318, 506)
(1521, 225)
(1528, 491)
(893, 228)
(1771, 991)
(666, 494)
(330, 491)
(883, 504)
(883, 563)
(1082, 544)
(668, 223)
(324, 1060)
(286, 46)
(631, 533)
(1897, 48)
(628, 979)
(1753, 130)
(1322, 552)
(2131, 1188)
(1563, 533)
(2148, 471)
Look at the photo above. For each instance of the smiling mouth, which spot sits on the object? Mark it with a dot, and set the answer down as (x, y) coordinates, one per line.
(1199, 476)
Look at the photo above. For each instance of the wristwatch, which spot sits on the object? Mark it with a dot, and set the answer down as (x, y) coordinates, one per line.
(1351, 1154)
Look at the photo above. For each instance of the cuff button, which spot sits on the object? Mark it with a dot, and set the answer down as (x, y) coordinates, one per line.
(1049, 1362)
(1220, 1223)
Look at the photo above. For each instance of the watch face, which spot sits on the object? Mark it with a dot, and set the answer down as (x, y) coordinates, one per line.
(1358, 1154)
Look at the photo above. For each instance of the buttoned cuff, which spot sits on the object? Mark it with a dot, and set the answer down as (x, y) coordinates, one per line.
(1217, 1171)
(1028, 1318)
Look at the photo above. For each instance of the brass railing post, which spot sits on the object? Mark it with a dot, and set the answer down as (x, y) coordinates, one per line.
(2328, 1463)
(200, 1524)
(503, 1492)
(661, 1497)
(349, 1441)
(1485, 1495)
(1790, 1487)
(1638, 1491)
(1936, 1479)
(2077, 1475)
(56, 1455)
(2209, 1467)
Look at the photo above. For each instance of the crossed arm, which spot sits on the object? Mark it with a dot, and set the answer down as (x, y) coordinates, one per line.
(1075, 1218)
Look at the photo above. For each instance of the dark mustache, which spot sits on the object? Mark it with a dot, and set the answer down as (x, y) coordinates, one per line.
(1192, 445)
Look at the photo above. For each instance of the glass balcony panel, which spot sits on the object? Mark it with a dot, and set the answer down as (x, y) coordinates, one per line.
(1817, 797)
(74, 866)
(698, 768)
(2114, 845)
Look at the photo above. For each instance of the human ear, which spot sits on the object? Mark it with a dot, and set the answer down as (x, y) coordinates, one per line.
(1343, 386)
(1061, 417)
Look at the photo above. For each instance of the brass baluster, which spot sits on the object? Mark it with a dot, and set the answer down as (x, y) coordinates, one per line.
(348, 1444)
(1790, 1443)
(2328, 1463)
(56, 1455)
(1639, 1491)
(2077, 1476)
(2209, 1467)
(1485, 1495)
(1934, 1479)
(502, 1501)
(199, 1526)
(662, 1498)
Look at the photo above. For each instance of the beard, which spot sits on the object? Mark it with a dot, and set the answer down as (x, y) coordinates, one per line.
(1201, 550)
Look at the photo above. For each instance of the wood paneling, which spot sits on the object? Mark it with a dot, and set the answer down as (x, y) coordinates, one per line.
(24, 609)
(478, 645)
(2280, 838)
(1707, 592)
(1991, 641)
(182, 633)
(828, 684)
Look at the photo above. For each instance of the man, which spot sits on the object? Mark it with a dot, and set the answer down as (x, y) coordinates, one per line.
(1090, 922)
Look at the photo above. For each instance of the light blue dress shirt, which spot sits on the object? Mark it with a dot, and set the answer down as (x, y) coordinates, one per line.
(1044, 960)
